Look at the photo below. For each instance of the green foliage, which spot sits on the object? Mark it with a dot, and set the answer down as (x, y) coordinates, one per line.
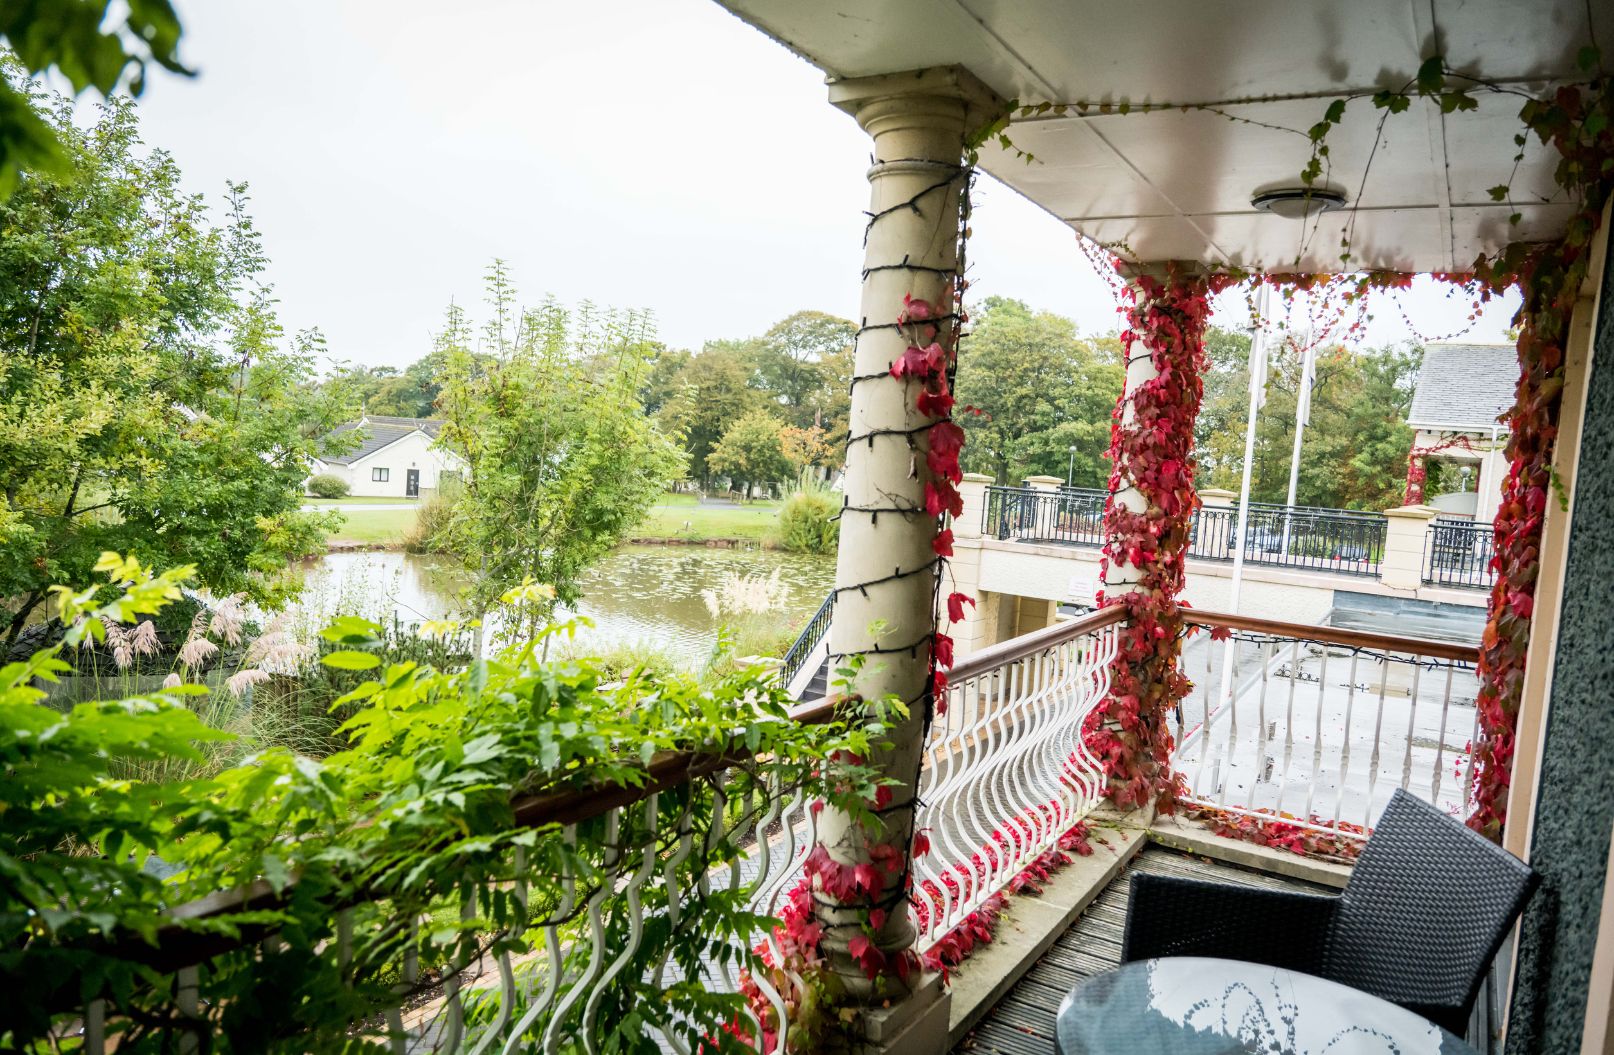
(561, 459)
(79, 40)
(429, 530)
(328, 485)
(708, 394)
(750, 452)
(809, 521)
(389, 392)
(1355, 451)
(148, 400)
(1042, 390)
(799, 372)
(412, 818)
(804, 364)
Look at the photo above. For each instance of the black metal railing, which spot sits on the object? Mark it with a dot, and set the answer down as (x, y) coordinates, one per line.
(1071, 515)
(1343, 541)
(806, 641)
(1458, 553)
(1336, 540)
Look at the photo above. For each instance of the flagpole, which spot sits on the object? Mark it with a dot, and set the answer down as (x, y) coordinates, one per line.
(1308, 377)
(1258, 384)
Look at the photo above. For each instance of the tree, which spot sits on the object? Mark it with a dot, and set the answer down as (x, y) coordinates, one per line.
(92, 45)
(561, 457)
(796, 361)
(750, 452)
(808, 448)
(1042, 390)
(148, 403)
(408, 393)
(661, 381)
(710, 392)
(1355, 450)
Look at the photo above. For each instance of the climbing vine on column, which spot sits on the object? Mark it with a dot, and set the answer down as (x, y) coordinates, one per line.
(1151, 449)
(1418, 466)
(1579, 123)
(858, 896)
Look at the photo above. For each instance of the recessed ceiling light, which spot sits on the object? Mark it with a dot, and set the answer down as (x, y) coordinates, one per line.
(1298, 203)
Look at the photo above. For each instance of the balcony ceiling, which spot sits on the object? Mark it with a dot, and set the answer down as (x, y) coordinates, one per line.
(1177, 185)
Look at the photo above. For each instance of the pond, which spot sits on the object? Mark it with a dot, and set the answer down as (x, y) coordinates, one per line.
(636, 595)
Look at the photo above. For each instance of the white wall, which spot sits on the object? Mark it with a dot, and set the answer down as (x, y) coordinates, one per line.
(412, 452)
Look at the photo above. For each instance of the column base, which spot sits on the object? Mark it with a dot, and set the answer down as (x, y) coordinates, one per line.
(916, 1026)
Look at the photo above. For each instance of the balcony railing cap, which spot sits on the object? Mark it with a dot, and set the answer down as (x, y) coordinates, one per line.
(1414, 512)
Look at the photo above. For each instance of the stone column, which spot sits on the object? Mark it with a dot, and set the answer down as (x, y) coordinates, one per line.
(1217, 498)
(1147, 522)
(1405, 546)
(1043, 483)
(886, 565)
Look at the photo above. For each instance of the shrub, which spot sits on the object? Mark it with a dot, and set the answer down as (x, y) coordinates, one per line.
(432, 517)
(328, 485)
(412, 815)
(807, 522)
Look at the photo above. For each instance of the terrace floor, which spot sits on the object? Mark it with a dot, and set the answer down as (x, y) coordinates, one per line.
(1022, 1023)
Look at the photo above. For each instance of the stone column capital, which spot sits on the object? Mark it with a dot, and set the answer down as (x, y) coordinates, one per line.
(937, 93)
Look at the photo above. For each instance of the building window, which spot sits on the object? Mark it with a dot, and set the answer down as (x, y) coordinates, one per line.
(379, 476)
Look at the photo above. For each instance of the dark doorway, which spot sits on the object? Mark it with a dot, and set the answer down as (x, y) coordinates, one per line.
(412, 484)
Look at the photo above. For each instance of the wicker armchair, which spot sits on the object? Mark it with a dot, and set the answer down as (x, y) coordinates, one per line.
(1419, 923)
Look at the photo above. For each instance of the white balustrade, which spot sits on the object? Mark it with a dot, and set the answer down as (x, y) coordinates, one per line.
(1322, 726)
(1007, 770)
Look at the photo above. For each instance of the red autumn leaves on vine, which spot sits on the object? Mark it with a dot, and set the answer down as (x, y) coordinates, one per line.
(928, 361)
(1578, 122)
(1418, 467)
(1151, 448)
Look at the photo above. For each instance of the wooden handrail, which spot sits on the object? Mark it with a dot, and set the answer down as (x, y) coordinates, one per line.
(1029, 644)
(1334, 635)
(177, 946)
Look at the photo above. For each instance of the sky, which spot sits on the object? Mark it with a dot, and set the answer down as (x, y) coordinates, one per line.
(657, 154)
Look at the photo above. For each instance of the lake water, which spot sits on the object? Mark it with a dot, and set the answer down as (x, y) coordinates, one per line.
(635, 595)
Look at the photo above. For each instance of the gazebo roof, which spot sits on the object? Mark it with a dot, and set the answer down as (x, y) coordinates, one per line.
(1177, 184)
(1464, 387)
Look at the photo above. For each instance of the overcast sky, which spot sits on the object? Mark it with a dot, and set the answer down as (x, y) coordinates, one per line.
(647, 153)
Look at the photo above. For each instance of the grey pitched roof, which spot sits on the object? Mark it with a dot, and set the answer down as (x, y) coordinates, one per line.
(1464, 387)
(430, 426)
(379, 432)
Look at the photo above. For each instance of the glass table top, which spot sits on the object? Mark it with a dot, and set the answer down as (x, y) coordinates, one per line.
(1195, 1006)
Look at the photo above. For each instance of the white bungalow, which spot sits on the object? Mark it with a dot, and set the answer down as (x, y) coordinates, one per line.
(396, 458)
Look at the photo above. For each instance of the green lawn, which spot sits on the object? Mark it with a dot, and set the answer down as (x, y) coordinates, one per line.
(380, 526)
(687, 520)
(668, 518)
(361, 501)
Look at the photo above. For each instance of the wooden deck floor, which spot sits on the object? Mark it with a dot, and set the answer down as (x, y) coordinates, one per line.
(1022, 1023)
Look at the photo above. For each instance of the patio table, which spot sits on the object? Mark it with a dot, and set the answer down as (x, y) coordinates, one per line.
(1199, 1006)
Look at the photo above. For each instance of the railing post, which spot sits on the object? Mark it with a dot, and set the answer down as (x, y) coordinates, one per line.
(970, 524)
(1216, 498)
(1406, 546)
(976, 631)
(885, 575)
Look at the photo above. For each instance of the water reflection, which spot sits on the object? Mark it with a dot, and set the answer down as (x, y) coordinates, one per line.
(636, 595)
